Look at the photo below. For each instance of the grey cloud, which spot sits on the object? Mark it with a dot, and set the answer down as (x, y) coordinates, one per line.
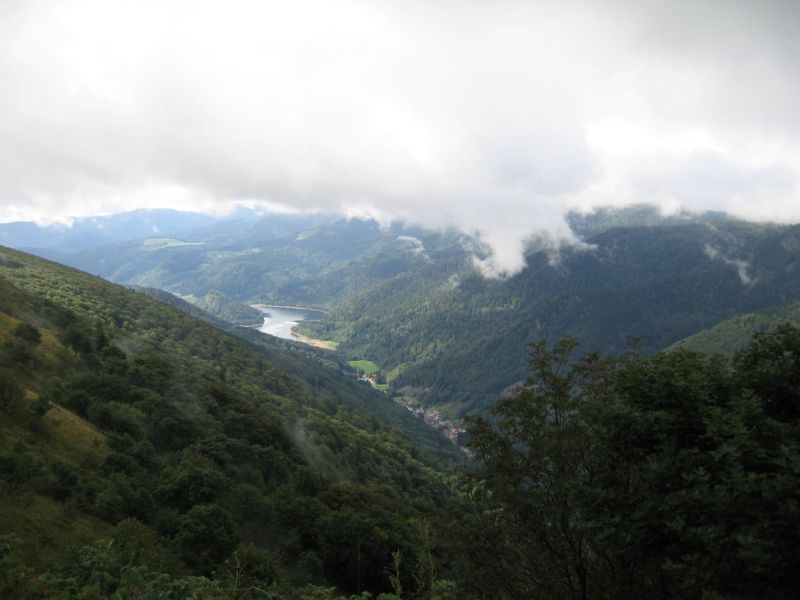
(705, 180)
(490, 117)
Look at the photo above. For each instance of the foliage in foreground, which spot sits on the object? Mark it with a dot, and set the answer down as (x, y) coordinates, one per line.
(676, 476)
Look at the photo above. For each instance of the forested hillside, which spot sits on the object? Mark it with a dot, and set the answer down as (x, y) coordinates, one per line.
(246, 261)
(142, 449)
(227, 309)
(734, 334)
(454, 338)
(412, 302)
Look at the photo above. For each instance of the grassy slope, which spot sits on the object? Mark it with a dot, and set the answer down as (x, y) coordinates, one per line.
(311, 417)
(45, 524)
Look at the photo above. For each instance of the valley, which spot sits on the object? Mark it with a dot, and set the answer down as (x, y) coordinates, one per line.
(412, 301)
(273, 397)
(399, 300)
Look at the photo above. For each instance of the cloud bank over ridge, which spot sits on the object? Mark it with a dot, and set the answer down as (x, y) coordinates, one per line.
(491, 117)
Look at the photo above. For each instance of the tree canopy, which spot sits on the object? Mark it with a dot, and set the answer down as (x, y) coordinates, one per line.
(674, 476)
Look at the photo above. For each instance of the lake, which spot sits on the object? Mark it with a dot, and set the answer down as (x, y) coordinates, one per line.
(279, 320)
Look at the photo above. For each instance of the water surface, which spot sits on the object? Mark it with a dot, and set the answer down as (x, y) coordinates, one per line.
(279, 320)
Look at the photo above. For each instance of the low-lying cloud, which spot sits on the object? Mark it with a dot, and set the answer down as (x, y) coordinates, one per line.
(491, 117)
(742, 267)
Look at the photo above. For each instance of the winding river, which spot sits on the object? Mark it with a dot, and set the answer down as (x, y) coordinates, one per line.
(279, 320)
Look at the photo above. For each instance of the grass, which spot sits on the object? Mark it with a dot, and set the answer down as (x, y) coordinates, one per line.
(46, 526)
(79, 440)
(60, 434)
(324, 344)
(367, 367)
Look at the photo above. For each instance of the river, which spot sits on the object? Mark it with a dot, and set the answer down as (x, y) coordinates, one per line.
(279, 320)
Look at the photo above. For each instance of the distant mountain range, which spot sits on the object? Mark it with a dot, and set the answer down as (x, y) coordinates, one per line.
(90, 232)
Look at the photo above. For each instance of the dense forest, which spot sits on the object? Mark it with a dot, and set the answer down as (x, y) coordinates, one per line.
(147, 454)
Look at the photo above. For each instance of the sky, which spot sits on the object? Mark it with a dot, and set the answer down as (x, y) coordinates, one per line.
(492, 117)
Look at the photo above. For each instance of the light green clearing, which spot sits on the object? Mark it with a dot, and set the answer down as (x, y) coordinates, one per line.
(365, 366)
(327, 344)
(158, 243)
(406, 399)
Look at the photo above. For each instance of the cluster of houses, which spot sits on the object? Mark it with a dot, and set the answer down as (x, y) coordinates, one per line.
(434, 418)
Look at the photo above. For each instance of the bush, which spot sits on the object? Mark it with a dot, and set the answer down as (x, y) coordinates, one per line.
(11, 393)
(206, 536)
(28, 332)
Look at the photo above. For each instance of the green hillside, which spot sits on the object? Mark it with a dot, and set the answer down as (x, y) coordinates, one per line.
(227, 309)
(246, 264)
(139, 442)
(734, 334)
(453, 336)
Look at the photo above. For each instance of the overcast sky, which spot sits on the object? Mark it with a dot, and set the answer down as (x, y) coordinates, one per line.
(490, 116)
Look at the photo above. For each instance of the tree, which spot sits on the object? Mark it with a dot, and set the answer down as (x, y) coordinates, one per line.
(17, 467)
(536, 453)
(206, 536)
(20, 352)
(11, 393)
(28, 332)
(75, 336)
(674, 476)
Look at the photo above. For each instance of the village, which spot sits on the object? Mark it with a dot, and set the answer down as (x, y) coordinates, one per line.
(432, 417)
(445, 426)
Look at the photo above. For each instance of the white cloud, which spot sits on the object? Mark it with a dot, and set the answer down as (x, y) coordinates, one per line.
(742, 266)
(492, 117)
(412, 243)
